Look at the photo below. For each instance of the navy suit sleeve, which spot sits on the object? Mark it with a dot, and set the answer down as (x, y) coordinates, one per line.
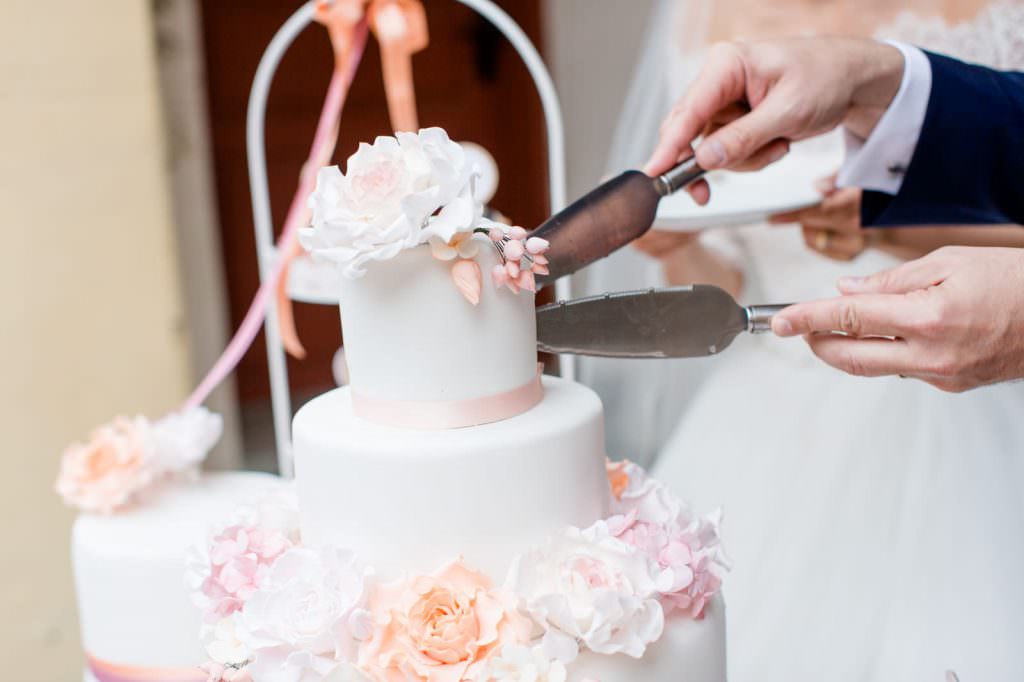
(968, 166)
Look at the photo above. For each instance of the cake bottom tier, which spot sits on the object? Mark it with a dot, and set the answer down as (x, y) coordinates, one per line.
(688, 651)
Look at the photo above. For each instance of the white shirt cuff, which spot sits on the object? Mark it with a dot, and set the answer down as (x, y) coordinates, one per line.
(880, 162)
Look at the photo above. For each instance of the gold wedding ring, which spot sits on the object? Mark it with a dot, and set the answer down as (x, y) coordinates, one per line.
(822, 240)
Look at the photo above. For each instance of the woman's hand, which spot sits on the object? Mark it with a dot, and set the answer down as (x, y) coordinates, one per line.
(833, 227)
(663, 244)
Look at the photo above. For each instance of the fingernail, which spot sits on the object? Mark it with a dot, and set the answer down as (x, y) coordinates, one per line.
(779, 154)
(713, 154)
(824, 186)
(782, 327)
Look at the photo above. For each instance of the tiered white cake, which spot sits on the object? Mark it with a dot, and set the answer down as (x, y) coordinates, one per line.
(454, 518)
(407, 500)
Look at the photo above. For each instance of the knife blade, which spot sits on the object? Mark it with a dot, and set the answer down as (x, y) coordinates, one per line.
(608, 218)
(674, 322)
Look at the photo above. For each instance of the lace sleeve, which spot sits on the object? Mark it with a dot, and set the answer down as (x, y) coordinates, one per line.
(994, 38)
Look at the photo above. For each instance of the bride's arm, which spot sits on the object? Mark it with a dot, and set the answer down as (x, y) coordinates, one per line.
(686, 260)
(833, 228)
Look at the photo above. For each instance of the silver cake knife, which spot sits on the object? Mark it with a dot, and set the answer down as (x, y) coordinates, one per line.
(608, 218)
(675, 322)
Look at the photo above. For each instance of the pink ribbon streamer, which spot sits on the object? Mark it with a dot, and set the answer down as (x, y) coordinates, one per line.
(324, 139)
(449, 414)
(116, 672)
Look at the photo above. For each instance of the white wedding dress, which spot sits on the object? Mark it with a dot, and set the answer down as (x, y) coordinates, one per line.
(876, 525)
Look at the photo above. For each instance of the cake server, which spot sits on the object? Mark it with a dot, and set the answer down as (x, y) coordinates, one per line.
(608, 218)
(676, 322)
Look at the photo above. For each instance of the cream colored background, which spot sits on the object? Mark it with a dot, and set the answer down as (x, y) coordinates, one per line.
(102, 191)
(91, 317)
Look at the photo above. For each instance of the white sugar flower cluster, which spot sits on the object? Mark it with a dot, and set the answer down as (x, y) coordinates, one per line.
(395, 194)
(277, 611)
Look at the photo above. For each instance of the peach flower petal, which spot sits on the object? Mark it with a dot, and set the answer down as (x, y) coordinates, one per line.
(468, 279)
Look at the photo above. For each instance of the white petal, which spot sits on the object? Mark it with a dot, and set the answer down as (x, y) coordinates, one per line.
(559, 646)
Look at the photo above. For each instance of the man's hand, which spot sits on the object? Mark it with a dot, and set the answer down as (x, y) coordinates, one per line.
(954, 319)
(751, 100)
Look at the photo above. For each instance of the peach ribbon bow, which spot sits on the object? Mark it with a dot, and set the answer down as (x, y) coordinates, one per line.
(401, 29)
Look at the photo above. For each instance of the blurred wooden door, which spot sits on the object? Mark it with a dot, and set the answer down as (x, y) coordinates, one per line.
(469, 81)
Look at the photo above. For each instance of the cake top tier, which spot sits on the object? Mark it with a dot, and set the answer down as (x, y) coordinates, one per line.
(430, 341)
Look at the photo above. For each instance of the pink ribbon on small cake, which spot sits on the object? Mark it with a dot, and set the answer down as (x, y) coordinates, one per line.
(104, 671)
(449, 414)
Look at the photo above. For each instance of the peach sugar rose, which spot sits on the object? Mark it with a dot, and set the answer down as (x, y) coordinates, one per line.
(443, 627)
(104, 474)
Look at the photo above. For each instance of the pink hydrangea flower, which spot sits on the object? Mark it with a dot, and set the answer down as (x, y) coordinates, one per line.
(652, 519)
(236, 560)
(240, 560)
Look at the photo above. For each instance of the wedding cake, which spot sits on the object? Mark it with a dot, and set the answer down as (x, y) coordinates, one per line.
(454, 515)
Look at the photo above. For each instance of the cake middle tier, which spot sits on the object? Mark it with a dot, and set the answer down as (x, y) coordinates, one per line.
(408, 500)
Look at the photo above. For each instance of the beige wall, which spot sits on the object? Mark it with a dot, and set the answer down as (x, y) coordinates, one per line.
(91, 320)
(592, 46)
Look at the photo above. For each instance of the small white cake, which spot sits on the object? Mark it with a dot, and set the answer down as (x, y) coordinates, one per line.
(133, 604)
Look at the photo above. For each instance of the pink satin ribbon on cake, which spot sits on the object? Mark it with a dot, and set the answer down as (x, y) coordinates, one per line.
(449, 414)
(105, 671)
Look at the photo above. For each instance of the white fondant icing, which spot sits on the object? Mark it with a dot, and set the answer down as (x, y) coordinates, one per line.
(413, 500)
(133, 604)
(688, 651)
(410, 335)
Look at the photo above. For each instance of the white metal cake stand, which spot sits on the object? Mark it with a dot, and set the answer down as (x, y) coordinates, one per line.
(266, 252)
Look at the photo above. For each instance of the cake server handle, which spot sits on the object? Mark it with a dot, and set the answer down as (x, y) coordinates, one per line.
(679, 177)
(759, 317)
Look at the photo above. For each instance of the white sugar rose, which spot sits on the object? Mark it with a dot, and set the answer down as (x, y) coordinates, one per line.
(452, 187)
(587, 588)
(223, 644)
(634, 492)
(307, 618)
(346, 672)
(378, 178)
(396, 194)
(182, 440)
(523, 664)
